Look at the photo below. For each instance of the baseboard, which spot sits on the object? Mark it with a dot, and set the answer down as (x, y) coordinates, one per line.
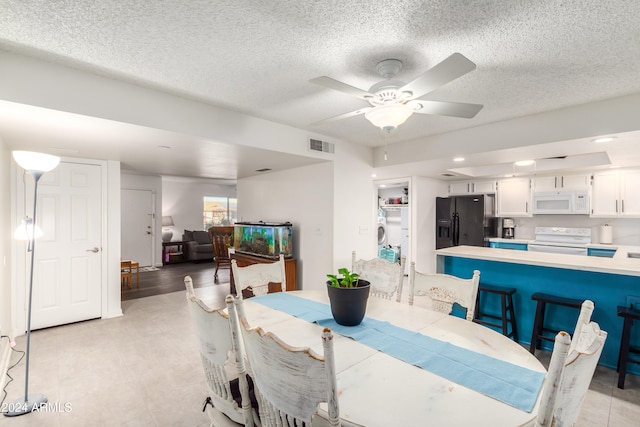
(5, 359)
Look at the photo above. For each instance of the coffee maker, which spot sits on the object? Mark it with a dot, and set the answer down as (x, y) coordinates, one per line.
(508, 228)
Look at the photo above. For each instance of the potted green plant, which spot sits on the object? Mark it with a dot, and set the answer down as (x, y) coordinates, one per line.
(348, 296)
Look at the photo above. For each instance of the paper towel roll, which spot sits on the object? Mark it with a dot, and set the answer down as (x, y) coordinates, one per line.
(606, 234)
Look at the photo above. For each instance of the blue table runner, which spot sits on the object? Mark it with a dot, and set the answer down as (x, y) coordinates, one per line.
(511, 384)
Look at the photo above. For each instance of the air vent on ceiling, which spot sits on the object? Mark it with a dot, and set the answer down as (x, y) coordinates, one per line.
(322, 146)
(447, 174)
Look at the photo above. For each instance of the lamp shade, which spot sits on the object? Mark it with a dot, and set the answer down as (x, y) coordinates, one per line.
(388, 116)
(167, 221)
(27, 231)
(37, 162)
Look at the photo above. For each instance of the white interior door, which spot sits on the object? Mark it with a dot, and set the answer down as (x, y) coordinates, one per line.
(137, 226)
(68, 261)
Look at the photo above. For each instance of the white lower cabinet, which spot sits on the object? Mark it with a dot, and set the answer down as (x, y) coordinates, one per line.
(514, 197)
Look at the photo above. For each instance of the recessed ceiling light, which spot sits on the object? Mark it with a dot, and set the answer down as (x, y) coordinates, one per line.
(382, 185)
(603, 139)
(458, 159)
(525, 162)
(373, 175)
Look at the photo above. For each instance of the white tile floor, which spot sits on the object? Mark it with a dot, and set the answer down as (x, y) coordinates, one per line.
(143, 369)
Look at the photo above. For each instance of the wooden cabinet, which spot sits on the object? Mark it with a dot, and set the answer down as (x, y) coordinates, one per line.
(514, 197)
(616, 194)
(290, 269)
(472, 187)
(569, 182)
(173, 252)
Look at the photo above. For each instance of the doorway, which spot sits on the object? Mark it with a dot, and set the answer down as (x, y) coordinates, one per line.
(67, 281)
(394, 216)
(137, 219)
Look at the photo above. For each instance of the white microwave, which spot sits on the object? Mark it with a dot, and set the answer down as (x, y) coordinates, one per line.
(561, 202)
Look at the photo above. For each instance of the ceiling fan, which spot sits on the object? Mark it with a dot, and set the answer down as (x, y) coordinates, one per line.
(393, 101)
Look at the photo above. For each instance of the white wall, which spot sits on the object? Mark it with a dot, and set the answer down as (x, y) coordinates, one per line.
(355, 205)
(31, 81)
(182, 198)
(5, 240)
(423, 243)
(304, 197)
(604, 117)
(111, 302)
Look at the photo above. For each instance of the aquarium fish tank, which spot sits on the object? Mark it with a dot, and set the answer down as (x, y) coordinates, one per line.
(264, 239)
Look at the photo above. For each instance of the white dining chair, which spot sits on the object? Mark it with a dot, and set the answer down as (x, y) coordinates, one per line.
(441, 291)
(584, 319)
(254, 279)
(570, 372)
(385, 277)
(223, 363)
(291, 382)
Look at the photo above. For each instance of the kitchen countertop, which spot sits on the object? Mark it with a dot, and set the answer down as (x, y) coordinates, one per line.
(619, 264)
(501, 239)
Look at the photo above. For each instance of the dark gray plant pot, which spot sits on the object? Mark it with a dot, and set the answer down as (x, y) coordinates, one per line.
(348, 305)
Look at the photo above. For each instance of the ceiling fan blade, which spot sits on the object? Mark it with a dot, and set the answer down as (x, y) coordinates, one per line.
(341, 87)
(442, 108)
(448, 70)
(342, 116)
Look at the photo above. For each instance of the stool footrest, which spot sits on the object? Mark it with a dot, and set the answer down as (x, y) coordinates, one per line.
(554, 299)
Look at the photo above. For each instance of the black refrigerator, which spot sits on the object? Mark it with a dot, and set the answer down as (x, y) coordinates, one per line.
(465, 220)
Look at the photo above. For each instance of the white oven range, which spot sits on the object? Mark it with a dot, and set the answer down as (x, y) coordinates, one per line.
(561, 240)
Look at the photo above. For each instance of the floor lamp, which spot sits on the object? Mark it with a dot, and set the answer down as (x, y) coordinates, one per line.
(36, 164)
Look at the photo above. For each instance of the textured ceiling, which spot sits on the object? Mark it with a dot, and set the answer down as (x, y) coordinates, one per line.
(258, 57)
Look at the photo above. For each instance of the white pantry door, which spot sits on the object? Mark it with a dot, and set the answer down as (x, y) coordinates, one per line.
(67, 283)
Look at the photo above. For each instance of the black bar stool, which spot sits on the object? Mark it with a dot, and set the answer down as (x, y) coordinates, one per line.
(629, 316)
(507, 317)
(538, 323)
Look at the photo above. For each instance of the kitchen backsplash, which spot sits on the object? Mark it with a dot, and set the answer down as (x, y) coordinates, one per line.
(626, 231)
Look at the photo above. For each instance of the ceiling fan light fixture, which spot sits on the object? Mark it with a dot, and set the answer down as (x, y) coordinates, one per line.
(388, 116)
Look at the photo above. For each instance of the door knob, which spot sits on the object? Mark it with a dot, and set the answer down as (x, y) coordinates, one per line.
(94, 250)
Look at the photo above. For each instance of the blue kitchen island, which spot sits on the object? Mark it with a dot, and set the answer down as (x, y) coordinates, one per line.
(608, 282)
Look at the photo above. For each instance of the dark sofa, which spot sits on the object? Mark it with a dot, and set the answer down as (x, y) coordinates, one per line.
(198, 246)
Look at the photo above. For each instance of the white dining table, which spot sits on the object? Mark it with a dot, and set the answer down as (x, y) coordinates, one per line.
(376, 389)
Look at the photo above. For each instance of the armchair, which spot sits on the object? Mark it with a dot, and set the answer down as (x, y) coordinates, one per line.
(197, 245)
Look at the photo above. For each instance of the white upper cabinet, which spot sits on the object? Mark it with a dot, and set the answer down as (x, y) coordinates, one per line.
(472, 187)
(616, 194)
(514, 197)
(568, 182)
